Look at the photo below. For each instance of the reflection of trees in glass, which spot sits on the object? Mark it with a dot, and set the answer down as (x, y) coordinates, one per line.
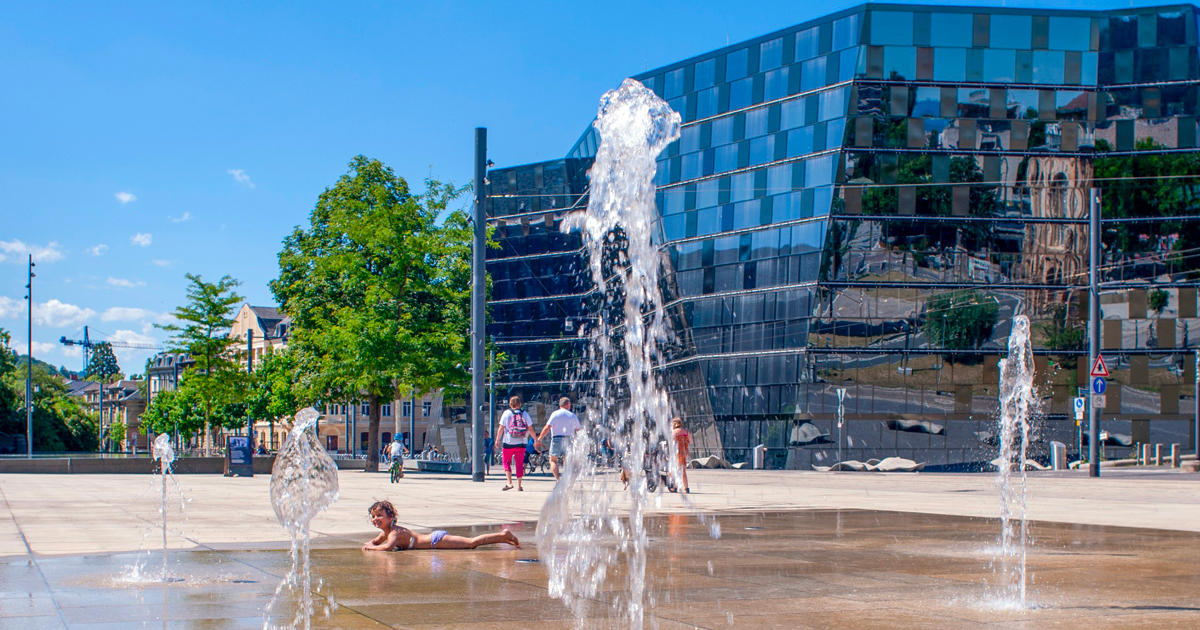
(1152, 184)
(960, 321)
(1063, 333)
(1159, 300)
(931, 200)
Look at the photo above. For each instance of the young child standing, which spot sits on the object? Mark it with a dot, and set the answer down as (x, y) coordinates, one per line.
(393, 537)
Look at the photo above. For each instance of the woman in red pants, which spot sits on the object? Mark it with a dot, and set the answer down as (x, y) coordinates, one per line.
(515, 426)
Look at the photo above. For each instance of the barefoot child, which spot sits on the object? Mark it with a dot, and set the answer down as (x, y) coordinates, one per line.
(392, 537)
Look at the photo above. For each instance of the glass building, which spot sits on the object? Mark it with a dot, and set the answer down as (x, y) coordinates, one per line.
(864, 202)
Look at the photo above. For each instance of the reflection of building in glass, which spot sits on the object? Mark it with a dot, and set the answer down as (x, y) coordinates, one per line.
(865, 201)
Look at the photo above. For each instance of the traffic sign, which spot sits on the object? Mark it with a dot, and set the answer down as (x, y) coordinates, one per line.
(1099, 401)
(1080, 403)
(1099, 385)
(1099, 368)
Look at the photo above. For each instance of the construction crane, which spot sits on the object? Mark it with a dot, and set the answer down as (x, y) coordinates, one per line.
(87, 344)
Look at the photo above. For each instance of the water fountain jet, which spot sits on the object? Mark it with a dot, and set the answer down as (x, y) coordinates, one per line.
(581, 532)
(1016, 404)
(304, 483)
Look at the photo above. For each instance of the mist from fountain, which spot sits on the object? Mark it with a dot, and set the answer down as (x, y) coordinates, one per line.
(1017, 401)
(583, 534)
(304, 483)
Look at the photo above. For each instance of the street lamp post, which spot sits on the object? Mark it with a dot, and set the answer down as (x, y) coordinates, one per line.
(841, 394)
(29, 364)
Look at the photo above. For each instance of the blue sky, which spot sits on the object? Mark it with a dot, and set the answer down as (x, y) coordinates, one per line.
(143, 141)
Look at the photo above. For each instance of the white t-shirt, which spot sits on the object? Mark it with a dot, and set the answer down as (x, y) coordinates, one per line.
(396, 449)
(510, 424)
(563, 422)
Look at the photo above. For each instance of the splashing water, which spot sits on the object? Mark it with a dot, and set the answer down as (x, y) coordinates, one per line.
(165, 456)
(304, 483)
(581, 532)
(1016, 402)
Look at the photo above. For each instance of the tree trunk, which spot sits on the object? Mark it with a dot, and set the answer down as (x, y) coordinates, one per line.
(373, 434)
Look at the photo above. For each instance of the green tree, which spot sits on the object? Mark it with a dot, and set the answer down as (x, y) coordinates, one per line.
(378, 291)
(174, 410)
(60, 422)
(102, 365)
(274, 392)
(215, 379)
(960, 321)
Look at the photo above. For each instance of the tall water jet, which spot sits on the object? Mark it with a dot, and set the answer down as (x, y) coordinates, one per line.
(304, 483)
(165, 456)
(581, 532)
(1016, 405)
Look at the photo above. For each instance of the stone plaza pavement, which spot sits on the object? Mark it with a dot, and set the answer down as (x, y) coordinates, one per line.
(55, 515)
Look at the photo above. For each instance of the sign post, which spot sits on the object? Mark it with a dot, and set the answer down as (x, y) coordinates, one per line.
(1098, 373)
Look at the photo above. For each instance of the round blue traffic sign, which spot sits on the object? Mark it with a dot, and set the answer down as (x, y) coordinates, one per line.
(1099, 385)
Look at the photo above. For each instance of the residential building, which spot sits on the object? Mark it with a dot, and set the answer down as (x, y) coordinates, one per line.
(863, 202)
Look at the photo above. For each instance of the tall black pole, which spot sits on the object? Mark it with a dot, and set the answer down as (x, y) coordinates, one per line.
(1093, 328)
(412, 422)
(29, 365)
(478, 284)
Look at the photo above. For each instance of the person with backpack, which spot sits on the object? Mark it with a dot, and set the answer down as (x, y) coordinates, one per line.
(515, 426)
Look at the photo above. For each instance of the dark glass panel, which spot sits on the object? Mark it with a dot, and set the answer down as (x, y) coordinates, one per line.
(1014, 31)
(1070, 33)
(950, 29)
(891, 28)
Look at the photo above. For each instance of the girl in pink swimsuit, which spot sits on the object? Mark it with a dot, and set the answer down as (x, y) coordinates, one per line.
(393, 537)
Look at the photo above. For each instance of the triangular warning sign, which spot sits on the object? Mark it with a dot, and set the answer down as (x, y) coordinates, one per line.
(1099, 369)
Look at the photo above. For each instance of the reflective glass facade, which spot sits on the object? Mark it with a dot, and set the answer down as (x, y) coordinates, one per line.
(866, 200)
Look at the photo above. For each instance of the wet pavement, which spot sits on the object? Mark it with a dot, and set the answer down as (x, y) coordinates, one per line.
(803, 569)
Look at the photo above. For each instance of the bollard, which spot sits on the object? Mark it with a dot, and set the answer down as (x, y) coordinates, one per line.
(1158, 454)
(1058, 456)
(759, 456)
(1144, 455)
(1174, 455)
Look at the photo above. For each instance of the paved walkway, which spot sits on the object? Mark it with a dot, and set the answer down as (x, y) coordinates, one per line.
(80, 514)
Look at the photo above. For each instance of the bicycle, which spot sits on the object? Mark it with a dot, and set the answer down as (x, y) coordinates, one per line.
(397, 470)
(535, 461)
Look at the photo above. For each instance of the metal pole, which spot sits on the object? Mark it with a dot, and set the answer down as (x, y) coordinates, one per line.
(1093, 327)
(492, 398)
(250, 370)
(175, 388)
(478, 284)
(29, 366)
(1196, 398)
(353, 428)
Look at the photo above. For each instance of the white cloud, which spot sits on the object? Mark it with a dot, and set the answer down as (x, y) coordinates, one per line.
(125, 314)
(186, 216)
(42, 347)
(125, 197)
(97, 250)
(71, 351)
(240, 176)
(125, 284)
(20, 251)
(10, 308)
(60, 314)
(141, 238)
(160, 262)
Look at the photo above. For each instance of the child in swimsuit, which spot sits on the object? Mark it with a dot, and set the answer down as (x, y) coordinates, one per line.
(393, 537)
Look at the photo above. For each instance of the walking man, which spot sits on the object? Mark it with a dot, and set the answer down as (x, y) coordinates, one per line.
(562, 425)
